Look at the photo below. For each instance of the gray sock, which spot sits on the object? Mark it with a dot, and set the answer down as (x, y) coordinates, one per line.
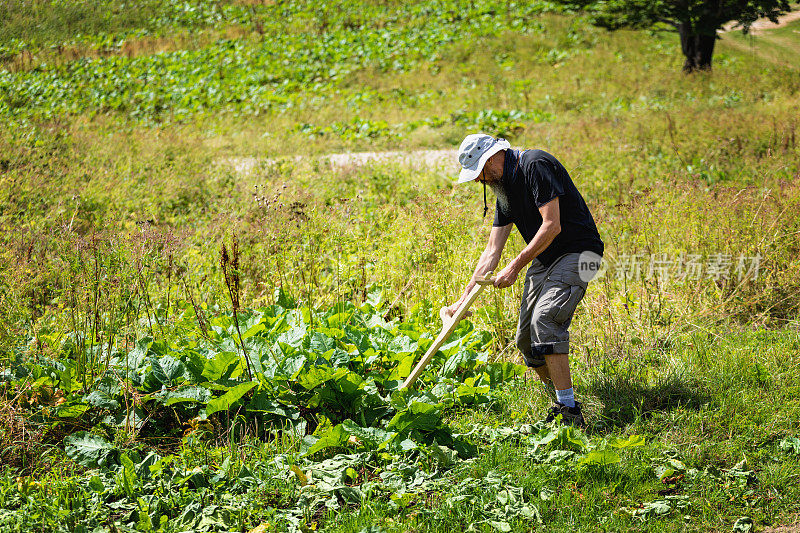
(566, 397)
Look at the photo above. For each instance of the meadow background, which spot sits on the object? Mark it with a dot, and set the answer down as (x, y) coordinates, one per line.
(137, 140)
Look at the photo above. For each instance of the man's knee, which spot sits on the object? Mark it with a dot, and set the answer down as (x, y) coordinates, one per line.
(548, 336)
(523, 341)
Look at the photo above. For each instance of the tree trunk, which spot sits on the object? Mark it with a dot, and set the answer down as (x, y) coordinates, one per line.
(697, 48)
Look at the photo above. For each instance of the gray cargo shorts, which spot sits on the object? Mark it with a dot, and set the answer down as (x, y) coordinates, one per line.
(549, 299)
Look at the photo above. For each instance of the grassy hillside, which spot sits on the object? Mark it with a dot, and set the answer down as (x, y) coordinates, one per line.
(118, 187)
(777, 45)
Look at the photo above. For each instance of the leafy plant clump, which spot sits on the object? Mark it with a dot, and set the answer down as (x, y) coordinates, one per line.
(324, 375)
(325, 381)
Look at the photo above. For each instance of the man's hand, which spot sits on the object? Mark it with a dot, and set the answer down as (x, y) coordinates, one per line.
(506, 277)
(451, 310)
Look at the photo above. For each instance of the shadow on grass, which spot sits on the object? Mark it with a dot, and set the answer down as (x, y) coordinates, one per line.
(627, 398)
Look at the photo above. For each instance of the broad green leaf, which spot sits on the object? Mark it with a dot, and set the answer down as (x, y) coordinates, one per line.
(186, 394)
(315, 376)
(137, 357)
(173, 369)
(102, 400)
(469, 394)
(669, 468)
(224, 402)
(134, 419)
(600, 457)
(339, 358)
(630, 441)
(570, 438)
(402, 345)
(502, 372)
(656, 508)
(544, 437)
(261, 402)
(195, 363)
(127, 475)
(336, 436)
(339, 319)
(72, 410)
(158, 348)
(283, 299)
(157, 371)
(351, 495)
(254, 330)
(291, 366)
(443, 456)
(462, 358)
(320, 343)
(401, 500)
(96, 484)
(420, 416)
(546, 493)
(371, 437)
(347, 382)
(306, 315)
(451, 348)
(403, 368)
(90, 450)
(66, 377)
(279, 326)
(293, 337)
(215, 368)
(358, 338)
(248, 320)
(556, 457)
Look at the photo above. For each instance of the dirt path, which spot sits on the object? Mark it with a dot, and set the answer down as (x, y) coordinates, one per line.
(764, 24)
(445, 159)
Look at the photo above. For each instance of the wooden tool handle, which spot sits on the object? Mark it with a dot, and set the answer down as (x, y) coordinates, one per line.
(486, 280)
(448, 325)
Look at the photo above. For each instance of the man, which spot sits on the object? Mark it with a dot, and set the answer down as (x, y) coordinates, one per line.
(535, 193)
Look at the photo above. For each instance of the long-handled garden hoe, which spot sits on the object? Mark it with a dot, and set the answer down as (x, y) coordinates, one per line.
(448, 325)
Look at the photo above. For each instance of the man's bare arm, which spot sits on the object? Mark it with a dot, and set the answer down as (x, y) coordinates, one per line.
(551, 227)
(487, 262)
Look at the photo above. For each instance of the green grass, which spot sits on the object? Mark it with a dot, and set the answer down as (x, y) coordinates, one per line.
(780, 45)
(113, 207)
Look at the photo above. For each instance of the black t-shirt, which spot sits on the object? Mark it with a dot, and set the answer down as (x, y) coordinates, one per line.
(537, 179)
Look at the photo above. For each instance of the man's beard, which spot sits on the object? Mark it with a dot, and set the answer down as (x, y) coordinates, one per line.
(499, 190)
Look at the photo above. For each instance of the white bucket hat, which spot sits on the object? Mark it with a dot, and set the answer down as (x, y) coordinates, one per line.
(474, 151)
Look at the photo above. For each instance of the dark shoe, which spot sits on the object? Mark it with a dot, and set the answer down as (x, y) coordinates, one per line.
(570, 416)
